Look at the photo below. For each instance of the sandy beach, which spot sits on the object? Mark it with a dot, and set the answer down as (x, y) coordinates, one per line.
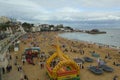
(45, 40)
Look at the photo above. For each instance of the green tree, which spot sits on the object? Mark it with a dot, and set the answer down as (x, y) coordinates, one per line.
(27, 26)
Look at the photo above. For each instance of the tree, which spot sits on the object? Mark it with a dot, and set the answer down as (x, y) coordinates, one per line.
(51, 26)
(3, 26)
(27, 26)
(67, 27)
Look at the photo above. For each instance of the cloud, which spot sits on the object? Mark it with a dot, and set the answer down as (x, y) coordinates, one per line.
(62, 10)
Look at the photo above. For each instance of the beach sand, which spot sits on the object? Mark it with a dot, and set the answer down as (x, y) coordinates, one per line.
(45, 40)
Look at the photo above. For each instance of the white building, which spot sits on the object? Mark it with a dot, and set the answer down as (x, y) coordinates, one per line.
(62, 29)
(33, 29)
(45, 25)
(36, 29)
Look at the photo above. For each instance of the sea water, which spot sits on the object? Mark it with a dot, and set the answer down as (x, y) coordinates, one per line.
(111, 38)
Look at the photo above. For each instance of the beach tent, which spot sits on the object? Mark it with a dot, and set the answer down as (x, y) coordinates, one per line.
(33, 50)
(30, 53)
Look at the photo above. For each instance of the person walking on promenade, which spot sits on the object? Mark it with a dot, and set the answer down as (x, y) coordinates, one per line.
(20, 68)
(3, 70)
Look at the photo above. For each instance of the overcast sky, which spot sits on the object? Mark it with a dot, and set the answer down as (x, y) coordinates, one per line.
(60, 10)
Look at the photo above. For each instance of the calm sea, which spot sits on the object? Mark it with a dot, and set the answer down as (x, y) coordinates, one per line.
(112, 37)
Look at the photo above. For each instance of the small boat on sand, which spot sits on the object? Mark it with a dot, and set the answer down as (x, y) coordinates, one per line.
(88, 59)
(96, 70)
(78, 60)
(106, 68)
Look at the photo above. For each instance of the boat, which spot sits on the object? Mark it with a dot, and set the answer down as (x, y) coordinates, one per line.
(106, 68)
(117, 64)
(95, 55)
(87, 59)
(96, 70)
(78, 60)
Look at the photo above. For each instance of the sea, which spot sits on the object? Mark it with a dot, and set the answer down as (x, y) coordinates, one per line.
(111, 38)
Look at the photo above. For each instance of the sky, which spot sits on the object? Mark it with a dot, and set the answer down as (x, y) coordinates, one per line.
(60, 10)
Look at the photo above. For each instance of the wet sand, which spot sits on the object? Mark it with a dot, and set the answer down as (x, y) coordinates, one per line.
(46, 39)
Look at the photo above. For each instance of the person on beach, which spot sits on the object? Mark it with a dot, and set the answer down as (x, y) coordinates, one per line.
(10, 57)
(23, 59)
(81, 65)
(25, 77)
(115, 77)
(18, 67)
(23, 62)
(9, 68)
(3, 70)
(114, 63)
(16, 57)
(41, 64)
(15, 62)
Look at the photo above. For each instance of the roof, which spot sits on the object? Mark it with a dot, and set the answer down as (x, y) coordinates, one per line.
(33, 48)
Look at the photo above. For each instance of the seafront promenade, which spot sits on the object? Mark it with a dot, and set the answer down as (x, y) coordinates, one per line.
(4, 49)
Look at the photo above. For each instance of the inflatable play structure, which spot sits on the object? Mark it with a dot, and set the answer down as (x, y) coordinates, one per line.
(61, 67)
(30, 53)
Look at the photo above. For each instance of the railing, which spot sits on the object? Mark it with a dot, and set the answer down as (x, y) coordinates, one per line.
(8, 41)
(1, 74)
